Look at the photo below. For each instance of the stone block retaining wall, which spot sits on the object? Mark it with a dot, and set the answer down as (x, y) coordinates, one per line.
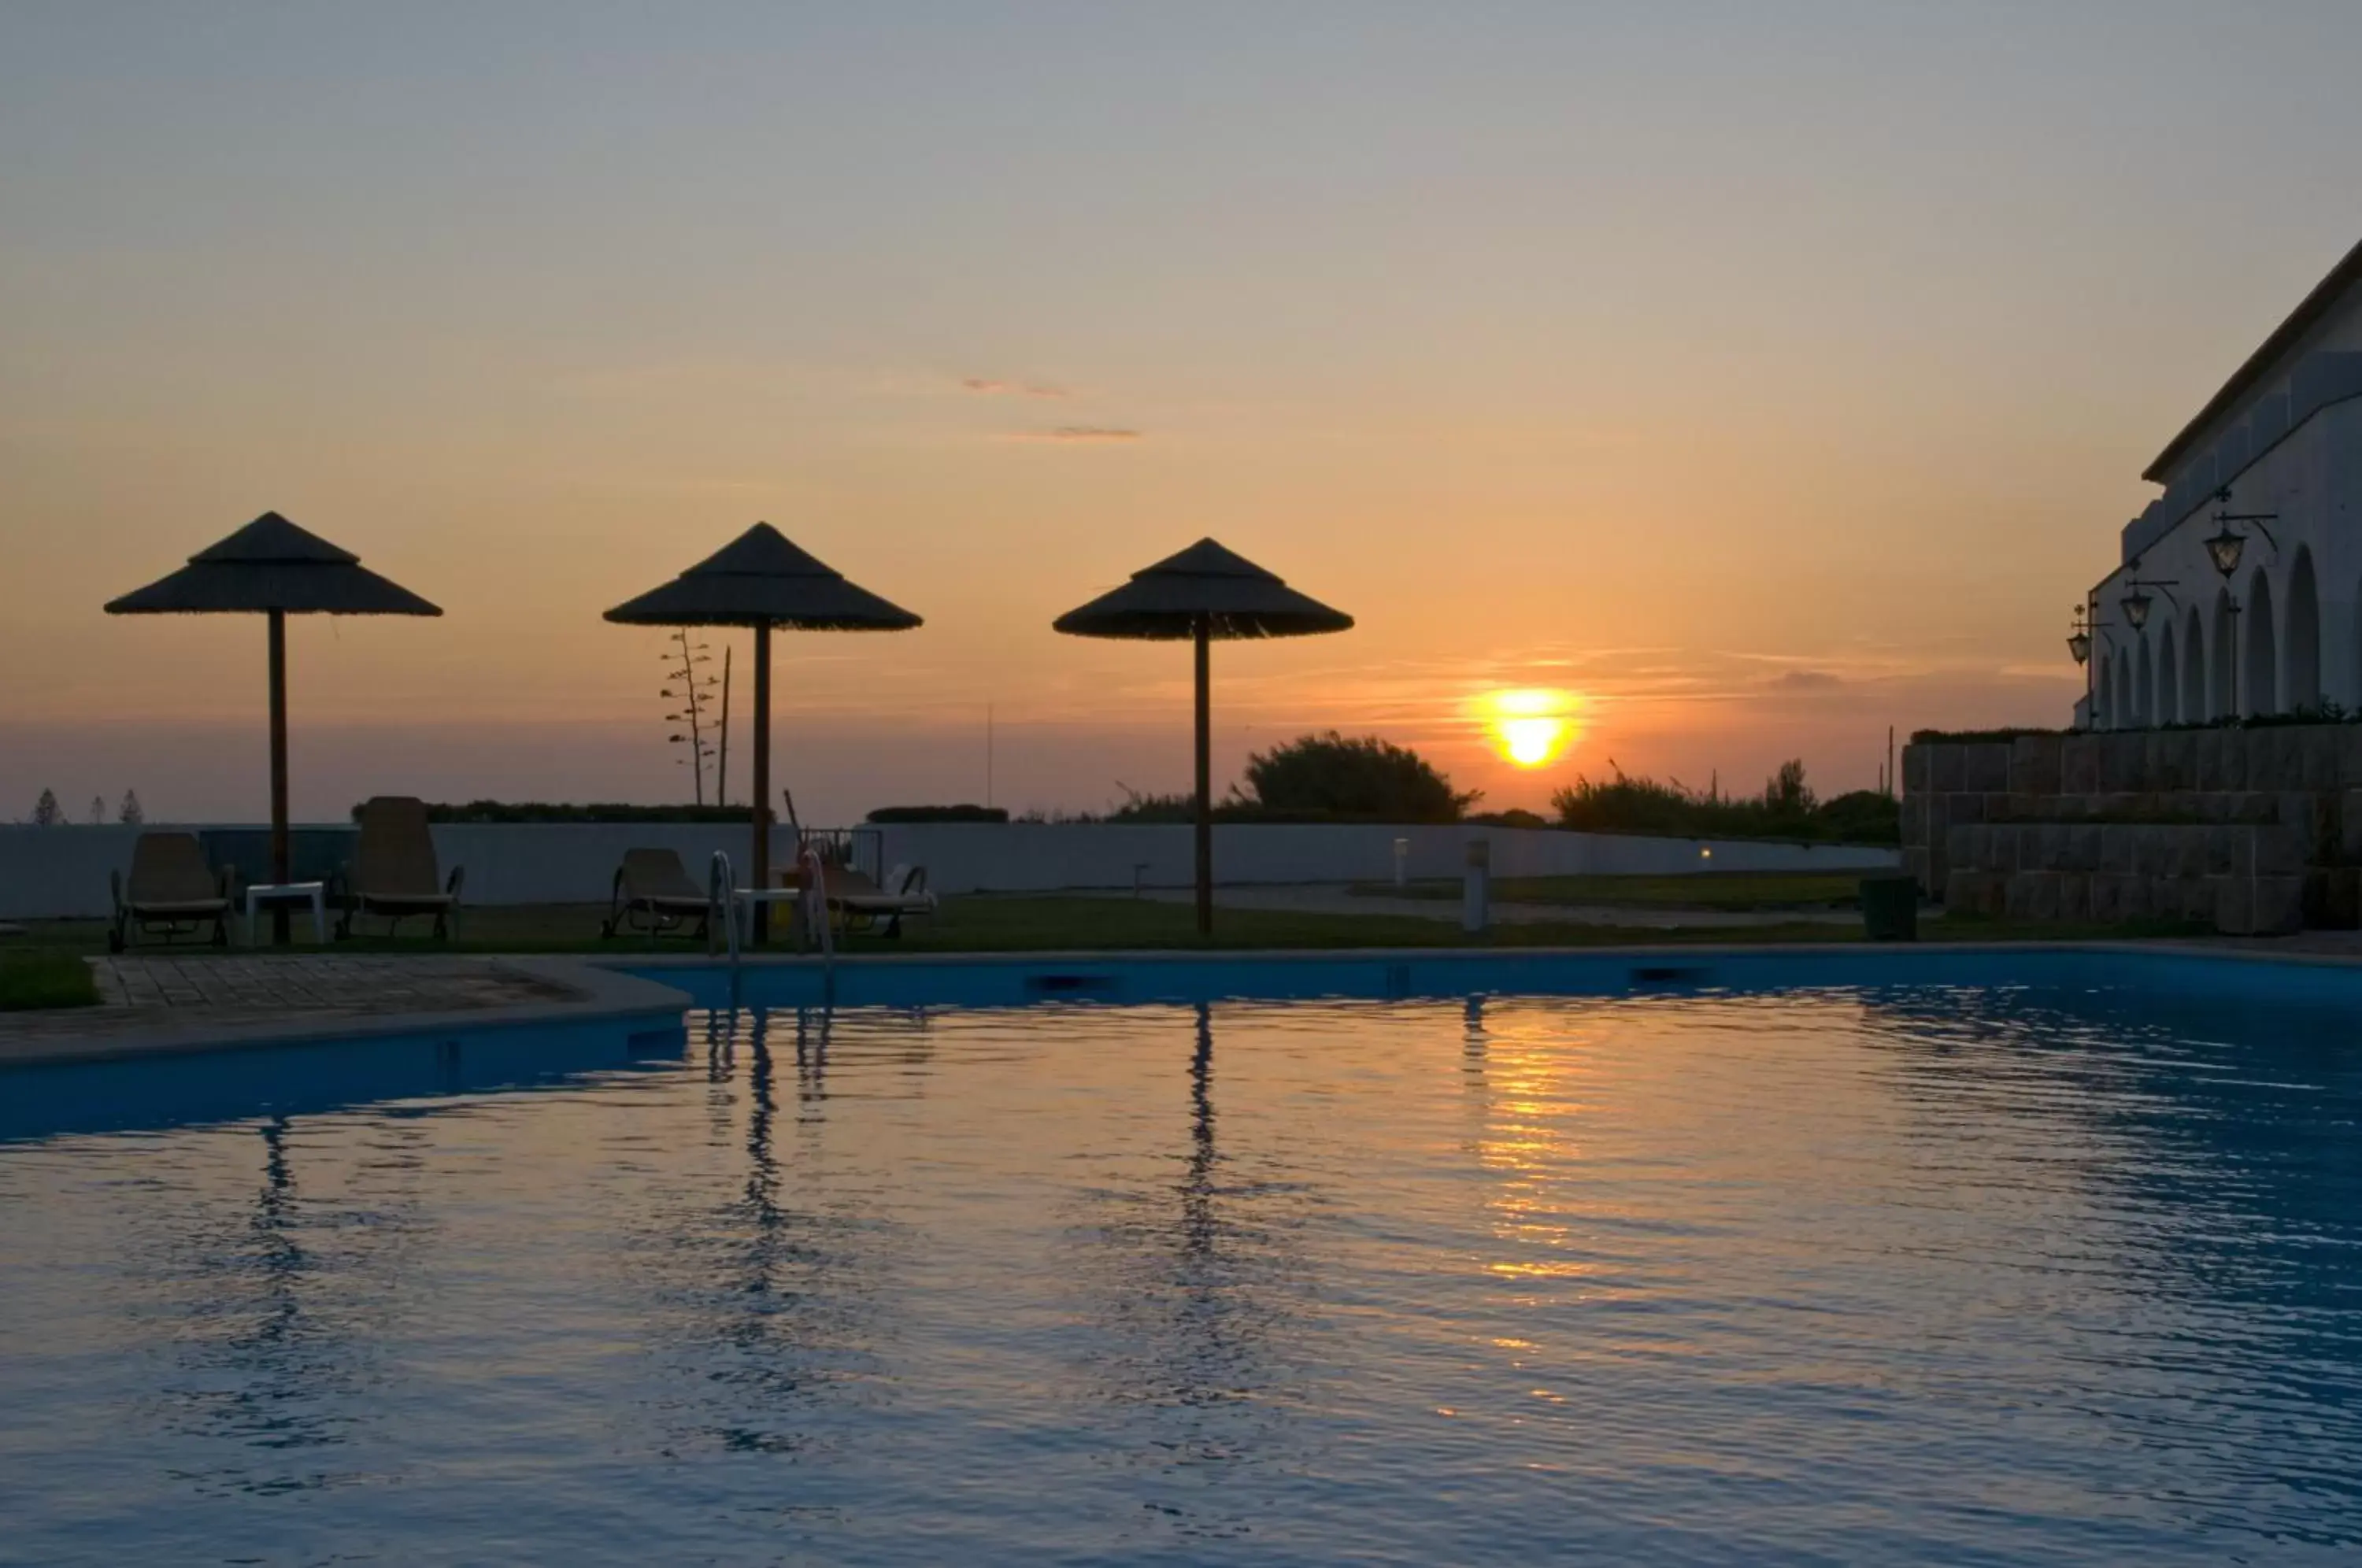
(2254, 831)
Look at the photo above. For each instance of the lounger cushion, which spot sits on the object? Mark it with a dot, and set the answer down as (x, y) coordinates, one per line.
(395, 856)
(884, 903)
(165, 908)
(169, 869)
(416, 903)
(651, 875)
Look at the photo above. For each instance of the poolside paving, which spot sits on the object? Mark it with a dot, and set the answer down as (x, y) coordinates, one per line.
(164, 996)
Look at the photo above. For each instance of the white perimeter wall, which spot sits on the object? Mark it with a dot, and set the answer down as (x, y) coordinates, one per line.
(963, 857)
(63, 871)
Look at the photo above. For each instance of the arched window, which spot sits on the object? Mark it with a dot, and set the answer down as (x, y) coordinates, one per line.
(2222, 702)
(2262, 653)
(2193, 669)
(2120, 712)
(2303, 683)
(2145, 685)
(2169, 678)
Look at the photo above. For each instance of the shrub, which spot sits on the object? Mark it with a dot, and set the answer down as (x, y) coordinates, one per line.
(2323, 712)
(1971, 737)
(39, 978)
(1863, 816)
(939, 814)
(1140, 808)
(595, 812)
(1318, 778)
(1364, 778)
(1786, 809)
(1627, 805)
(1182, 807)
(1786, 793)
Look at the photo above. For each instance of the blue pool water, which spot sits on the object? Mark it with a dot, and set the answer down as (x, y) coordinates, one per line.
(1990, 1263)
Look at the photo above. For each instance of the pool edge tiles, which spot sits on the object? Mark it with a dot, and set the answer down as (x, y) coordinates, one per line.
(592, 994)
(658, 989)
(1007, 979)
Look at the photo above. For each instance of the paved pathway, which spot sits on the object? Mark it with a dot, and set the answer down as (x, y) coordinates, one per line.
(1337, 898)
(141, 995)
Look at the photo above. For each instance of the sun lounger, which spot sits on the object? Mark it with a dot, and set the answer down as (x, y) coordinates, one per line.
(863, 905)
(395, 872)
(170, 892)
(653, 894)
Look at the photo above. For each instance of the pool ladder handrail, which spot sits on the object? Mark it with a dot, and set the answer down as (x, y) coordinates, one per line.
(812, 909)
(721, 904)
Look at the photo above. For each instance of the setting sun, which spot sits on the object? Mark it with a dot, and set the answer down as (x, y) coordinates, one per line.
(1530, 726)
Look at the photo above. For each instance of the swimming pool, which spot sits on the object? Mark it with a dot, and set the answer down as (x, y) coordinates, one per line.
(1979, 1260)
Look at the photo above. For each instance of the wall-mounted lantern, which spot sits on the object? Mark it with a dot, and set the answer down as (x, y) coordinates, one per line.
(2137, 603)
(2224, 545)
(2223, 548)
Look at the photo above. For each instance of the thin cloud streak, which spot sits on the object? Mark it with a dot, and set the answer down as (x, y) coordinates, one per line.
(1078, 434)
(987, 386)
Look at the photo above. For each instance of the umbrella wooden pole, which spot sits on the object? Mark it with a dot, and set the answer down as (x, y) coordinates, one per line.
(1205, 784)
(762, 774)
(279, 935)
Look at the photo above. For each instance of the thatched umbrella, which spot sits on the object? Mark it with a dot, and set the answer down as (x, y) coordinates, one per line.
(1203, 593)
(273, 567)
(760, 580)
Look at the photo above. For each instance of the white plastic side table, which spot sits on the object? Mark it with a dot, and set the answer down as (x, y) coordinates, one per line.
(317, 893)
(745, 898)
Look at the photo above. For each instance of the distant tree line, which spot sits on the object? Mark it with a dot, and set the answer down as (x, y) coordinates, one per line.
(565, 811)
(2323, 713)
(1314, 779)
(889, 814)
(1333, 778)
(1787, 808)
(1320, 779)
(47, 812)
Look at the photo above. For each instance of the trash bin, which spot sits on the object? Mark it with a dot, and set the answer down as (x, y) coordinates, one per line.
(1889, 907)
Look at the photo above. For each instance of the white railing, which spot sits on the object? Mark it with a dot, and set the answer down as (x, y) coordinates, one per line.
(721, 904)
(812, 909)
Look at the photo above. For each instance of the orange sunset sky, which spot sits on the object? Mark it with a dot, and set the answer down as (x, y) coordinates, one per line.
(1765, 375)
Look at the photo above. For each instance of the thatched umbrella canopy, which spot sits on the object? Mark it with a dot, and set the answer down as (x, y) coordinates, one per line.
(273, 567)
(1204, 593)
(760, 580)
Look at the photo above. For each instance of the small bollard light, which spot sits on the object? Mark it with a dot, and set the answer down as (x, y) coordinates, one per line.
(1476, 887)
(1705, 852)
(1138, 875)
(1402, 863)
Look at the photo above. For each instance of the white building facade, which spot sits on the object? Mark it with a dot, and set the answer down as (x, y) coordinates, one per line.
(2275, 459)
